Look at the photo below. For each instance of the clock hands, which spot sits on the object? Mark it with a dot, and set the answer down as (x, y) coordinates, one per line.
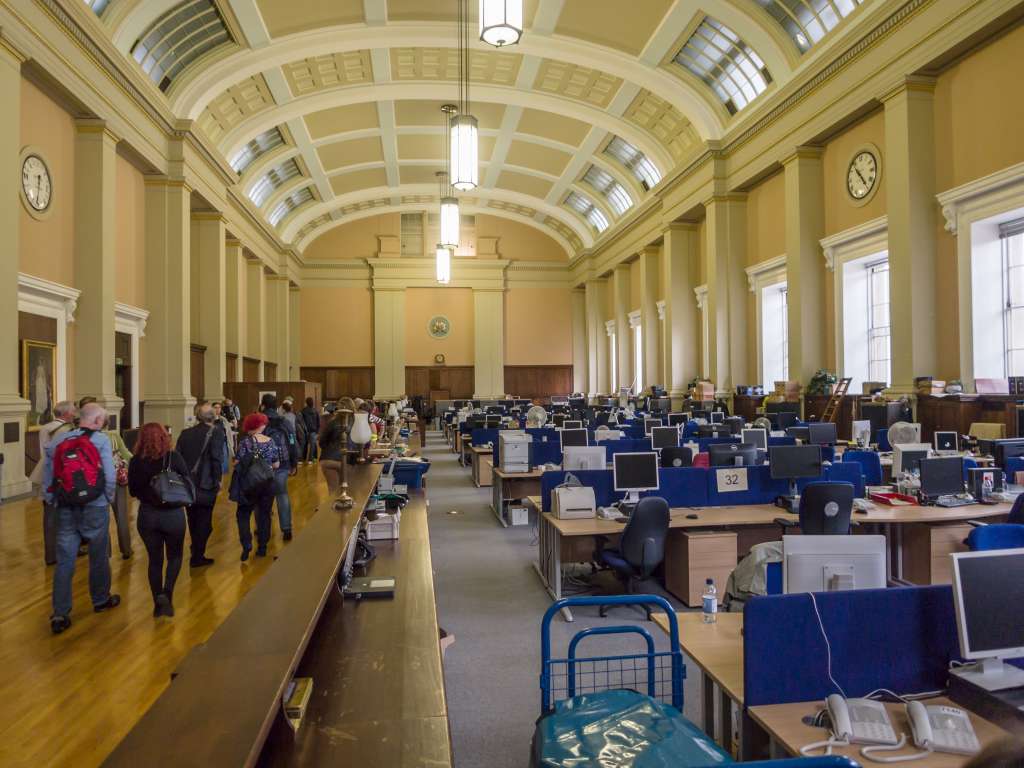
(855, 170)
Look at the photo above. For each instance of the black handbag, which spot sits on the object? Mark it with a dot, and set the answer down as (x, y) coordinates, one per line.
(172, 488)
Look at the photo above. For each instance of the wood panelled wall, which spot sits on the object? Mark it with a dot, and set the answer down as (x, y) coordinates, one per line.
(270, 371)
(198, 369)
(422, 380)
(538, 380)
(246, 394)
(250, 369)
(341, 381)
(230, 360)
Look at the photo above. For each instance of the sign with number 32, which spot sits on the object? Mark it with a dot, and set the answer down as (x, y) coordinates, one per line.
(731, 480)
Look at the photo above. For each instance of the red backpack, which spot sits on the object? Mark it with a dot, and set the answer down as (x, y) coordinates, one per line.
(77, 471)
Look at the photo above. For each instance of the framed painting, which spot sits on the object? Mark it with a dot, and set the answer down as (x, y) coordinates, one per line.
(38, 363)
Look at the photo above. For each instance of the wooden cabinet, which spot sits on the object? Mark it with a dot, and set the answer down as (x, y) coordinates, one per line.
(421, 380)
(960, 411)
(746, 406)
(538, 381)
(693, 557)
(926, 551)
(341, 381)
(814, 407)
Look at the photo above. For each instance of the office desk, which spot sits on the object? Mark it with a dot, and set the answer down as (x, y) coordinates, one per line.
(785, 727)
(509, 486)
(483, 466)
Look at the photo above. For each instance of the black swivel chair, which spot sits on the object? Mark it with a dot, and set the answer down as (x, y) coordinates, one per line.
(676, 457)
(735, 424)
(825, 510)
(642, 545)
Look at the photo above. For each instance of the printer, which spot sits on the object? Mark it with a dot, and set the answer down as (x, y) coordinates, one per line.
(573, 502)
(514, 450)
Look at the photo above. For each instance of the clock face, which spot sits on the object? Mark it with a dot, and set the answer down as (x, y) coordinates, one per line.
(863, 174)
(35, 182)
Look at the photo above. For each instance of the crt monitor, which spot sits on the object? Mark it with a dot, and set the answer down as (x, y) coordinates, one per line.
(946, 441)
(905, 458)
(832, 563)
(861, 432)
(988, 589)
(717, 417)
(576, 437)
(756, 436)
(821, 433)
(677, 419)
(665, 437)
(650, 424)
(558, 420)
(942, 476)
(575, 457)
(732, 455)
(635, 472)
(572, 424)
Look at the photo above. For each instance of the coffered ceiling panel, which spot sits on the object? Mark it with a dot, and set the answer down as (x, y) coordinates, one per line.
(418, 174)
(575, 82)
(538, 157)
(443, 10)
(420, 146)
(283, 18)
(367, 178)
(238, 102)
(498, 68)
(668, 125)
(354, 117)
(352, 152)
(524, 183)
(551, 126)
(319, 72)
(615, 23)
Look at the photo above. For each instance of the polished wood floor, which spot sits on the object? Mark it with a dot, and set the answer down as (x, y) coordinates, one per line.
(67, 700)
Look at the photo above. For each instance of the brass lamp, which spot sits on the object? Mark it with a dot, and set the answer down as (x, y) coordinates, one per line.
(345, 419)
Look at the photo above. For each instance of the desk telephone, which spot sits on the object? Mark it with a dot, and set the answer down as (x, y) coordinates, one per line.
(936, 728)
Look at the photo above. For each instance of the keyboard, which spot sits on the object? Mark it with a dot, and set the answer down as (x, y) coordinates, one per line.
(954, 501)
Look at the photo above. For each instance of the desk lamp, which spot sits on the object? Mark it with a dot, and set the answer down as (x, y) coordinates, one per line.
(345, 420)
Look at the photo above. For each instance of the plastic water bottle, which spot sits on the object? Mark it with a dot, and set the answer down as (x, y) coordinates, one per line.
(710, 602)
(986, 488)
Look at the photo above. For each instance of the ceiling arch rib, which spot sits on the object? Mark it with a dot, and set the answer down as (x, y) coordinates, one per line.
(193, 96)
(138, 20)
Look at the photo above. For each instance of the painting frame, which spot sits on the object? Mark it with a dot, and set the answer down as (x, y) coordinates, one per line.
(33, 354)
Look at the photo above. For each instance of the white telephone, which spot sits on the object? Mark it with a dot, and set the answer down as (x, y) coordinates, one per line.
(937, 728)
(855, 721)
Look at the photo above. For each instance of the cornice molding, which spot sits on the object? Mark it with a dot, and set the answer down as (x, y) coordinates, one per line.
(36, 290)
(129, 315)
(987, 191)
(863, 237)
(633, 318)
(766, 272)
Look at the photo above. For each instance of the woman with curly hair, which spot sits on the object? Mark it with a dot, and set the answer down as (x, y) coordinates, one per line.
(253, 446)
(161, 527)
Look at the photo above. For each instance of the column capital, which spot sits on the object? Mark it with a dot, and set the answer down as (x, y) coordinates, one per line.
(681, 226)
(650, 249)
(85, 126)
(9, 53)
(621, 267)
(805, 152)
(922, 84)
(728, 197)
(232, 242)
(155, 180)
(209, 216)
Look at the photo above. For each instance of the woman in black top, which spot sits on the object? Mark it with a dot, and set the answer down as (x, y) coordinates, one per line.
(162, 529)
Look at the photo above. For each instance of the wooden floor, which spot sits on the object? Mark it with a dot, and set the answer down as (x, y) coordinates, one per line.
(69, 699)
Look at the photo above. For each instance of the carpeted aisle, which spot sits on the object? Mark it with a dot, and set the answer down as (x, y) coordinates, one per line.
(490, 598)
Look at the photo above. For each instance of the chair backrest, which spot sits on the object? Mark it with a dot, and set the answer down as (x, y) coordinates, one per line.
(1017, 511)
(882, 438)
(870, 465)
(676, 457)
(825, 509)
(987, 430)
(996, 536)
(643, 538)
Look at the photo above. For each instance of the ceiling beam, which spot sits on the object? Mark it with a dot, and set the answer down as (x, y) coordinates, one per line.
(247, 12)
(375, 12)
(381, 60)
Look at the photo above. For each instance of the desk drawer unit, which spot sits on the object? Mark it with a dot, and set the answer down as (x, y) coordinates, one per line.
(926, 550)
(691, 558)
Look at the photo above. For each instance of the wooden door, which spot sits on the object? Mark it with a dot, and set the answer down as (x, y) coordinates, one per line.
(198, 369)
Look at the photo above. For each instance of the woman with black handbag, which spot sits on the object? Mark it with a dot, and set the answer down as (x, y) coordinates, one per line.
(252, 483)
(159, 478)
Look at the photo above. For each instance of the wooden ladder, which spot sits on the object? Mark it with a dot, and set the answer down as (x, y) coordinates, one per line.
(834, 402)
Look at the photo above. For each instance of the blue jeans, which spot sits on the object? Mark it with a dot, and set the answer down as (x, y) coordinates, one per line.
(75, 525)
(284, 504)
(262, 506)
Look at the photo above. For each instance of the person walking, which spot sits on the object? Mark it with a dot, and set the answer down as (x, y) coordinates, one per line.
(122, 511)
(257, 454)
(204, 450)
(310, 417)
(64, 415)
(161, 524)
(79, 480)
(281, 432)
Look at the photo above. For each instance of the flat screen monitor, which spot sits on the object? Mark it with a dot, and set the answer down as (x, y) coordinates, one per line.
(665, 437)
(942, 476)
(793, 462)
(558, 420)
(803, 434)
(650, 424)
(783, 419)
(574, 437)
(499, 409)
(634, 472)
(832, 563)
(559, 400)
(493, 420)
(821, 433)
(905, 457)
(713, 430)
(676, 419)
(946, 441)
(576, 457)
(988, 589)
(717, 417)
(1007, 448)
(756, 436)
(861, 432)
(572, 424)
(732, 455)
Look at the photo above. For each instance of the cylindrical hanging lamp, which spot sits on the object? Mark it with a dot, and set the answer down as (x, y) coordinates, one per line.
(501, 22)
(463, 173)
(443, 264)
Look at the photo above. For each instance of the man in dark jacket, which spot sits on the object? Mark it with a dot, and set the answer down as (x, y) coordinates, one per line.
(283, 434)
(311, 419)
(204, 447)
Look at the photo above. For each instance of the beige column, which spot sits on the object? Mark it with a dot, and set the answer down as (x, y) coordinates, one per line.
(277, 322)
(597, 340)
(579, 339)
(680, 251)
(256, 300)
(95, 261)
(209, 299)
(910, 199)
(168, 392)
(620, 313)
(13, 408)
(235, 304)
(294, 336)
(650, 325)
(805, 267)
(489, 342)
(388, 343)
(726, 229)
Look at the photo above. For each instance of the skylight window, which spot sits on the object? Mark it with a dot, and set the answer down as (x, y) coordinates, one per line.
(732, 69)
(808, 21)
(635, 161)
(588, 210)
(296, 199)
(178, 38)
(255, 149)
(98, 6)
(602, 181)
(271, 180)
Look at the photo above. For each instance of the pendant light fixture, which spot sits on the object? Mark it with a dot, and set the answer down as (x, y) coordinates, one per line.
(463, 172)
(443, 264)
(449, 203)
(501, 22)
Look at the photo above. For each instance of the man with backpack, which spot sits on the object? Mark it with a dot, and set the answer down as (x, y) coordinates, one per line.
(79, 479)
(205, 451)
(283, 435)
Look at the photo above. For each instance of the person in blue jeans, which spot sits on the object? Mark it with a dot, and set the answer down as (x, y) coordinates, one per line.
(283, 434)
(89, 523)
(253, 442)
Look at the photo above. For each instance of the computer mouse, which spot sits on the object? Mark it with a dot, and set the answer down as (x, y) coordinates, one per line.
(691, 516)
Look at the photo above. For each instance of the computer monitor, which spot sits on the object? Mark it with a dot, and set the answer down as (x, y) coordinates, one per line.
(832, 563)
(794, 462)
(635, 472)
(782, 407)
(988, 589)
(574, 437)
(650, 424)
(665, 437)
(946, 441)
(499, 409)
(576, 457)
(713, 430)
(861, 432)
(942, 476)
(803, 434)
(905, 457)
(559, 400)
(676, 419)
(732, 455)
(821, 433)
(572, 424)
(493, 420)
(782, 419)
(558, 420)
(1007, 448)
(755, 436)
(717, 417)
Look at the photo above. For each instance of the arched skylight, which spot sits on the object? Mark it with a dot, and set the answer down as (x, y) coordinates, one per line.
(617, 197)
(718, 56)
(256, 148)
(589, 211)
(635, 161)
(98, 6)
(271, 180)
(178, 38)
(808, 21)
(294, 200)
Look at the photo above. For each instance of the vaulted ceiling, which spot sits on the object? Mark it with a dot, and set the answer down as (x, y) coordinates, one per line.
(329, 110)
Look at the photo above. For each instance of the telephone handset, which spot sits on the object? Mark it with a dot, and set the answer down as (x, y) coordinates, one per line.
(855, 721)
(941, 728)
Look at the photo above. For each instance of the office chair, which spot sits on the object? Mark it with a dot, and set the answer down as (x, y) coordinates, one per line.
(641, 547)
(987, 430)
(676, 457)
(735, 424)
(825, 510)
(996, 536)
(882, 439)
(870, 465)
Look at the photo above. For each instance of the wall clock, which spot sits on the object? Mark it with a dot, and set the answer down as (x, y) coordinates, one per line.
(439, 326)
(36, 183)
(439, 359)
(863, 173)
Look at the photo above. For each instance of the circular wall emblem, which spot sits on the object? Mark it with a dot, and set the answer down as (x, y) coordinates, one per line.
(439, 326)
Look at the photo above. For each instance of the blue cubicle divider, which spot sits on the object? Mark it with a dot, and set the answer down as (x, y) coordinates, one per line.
(901, 639)
(625, 445)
